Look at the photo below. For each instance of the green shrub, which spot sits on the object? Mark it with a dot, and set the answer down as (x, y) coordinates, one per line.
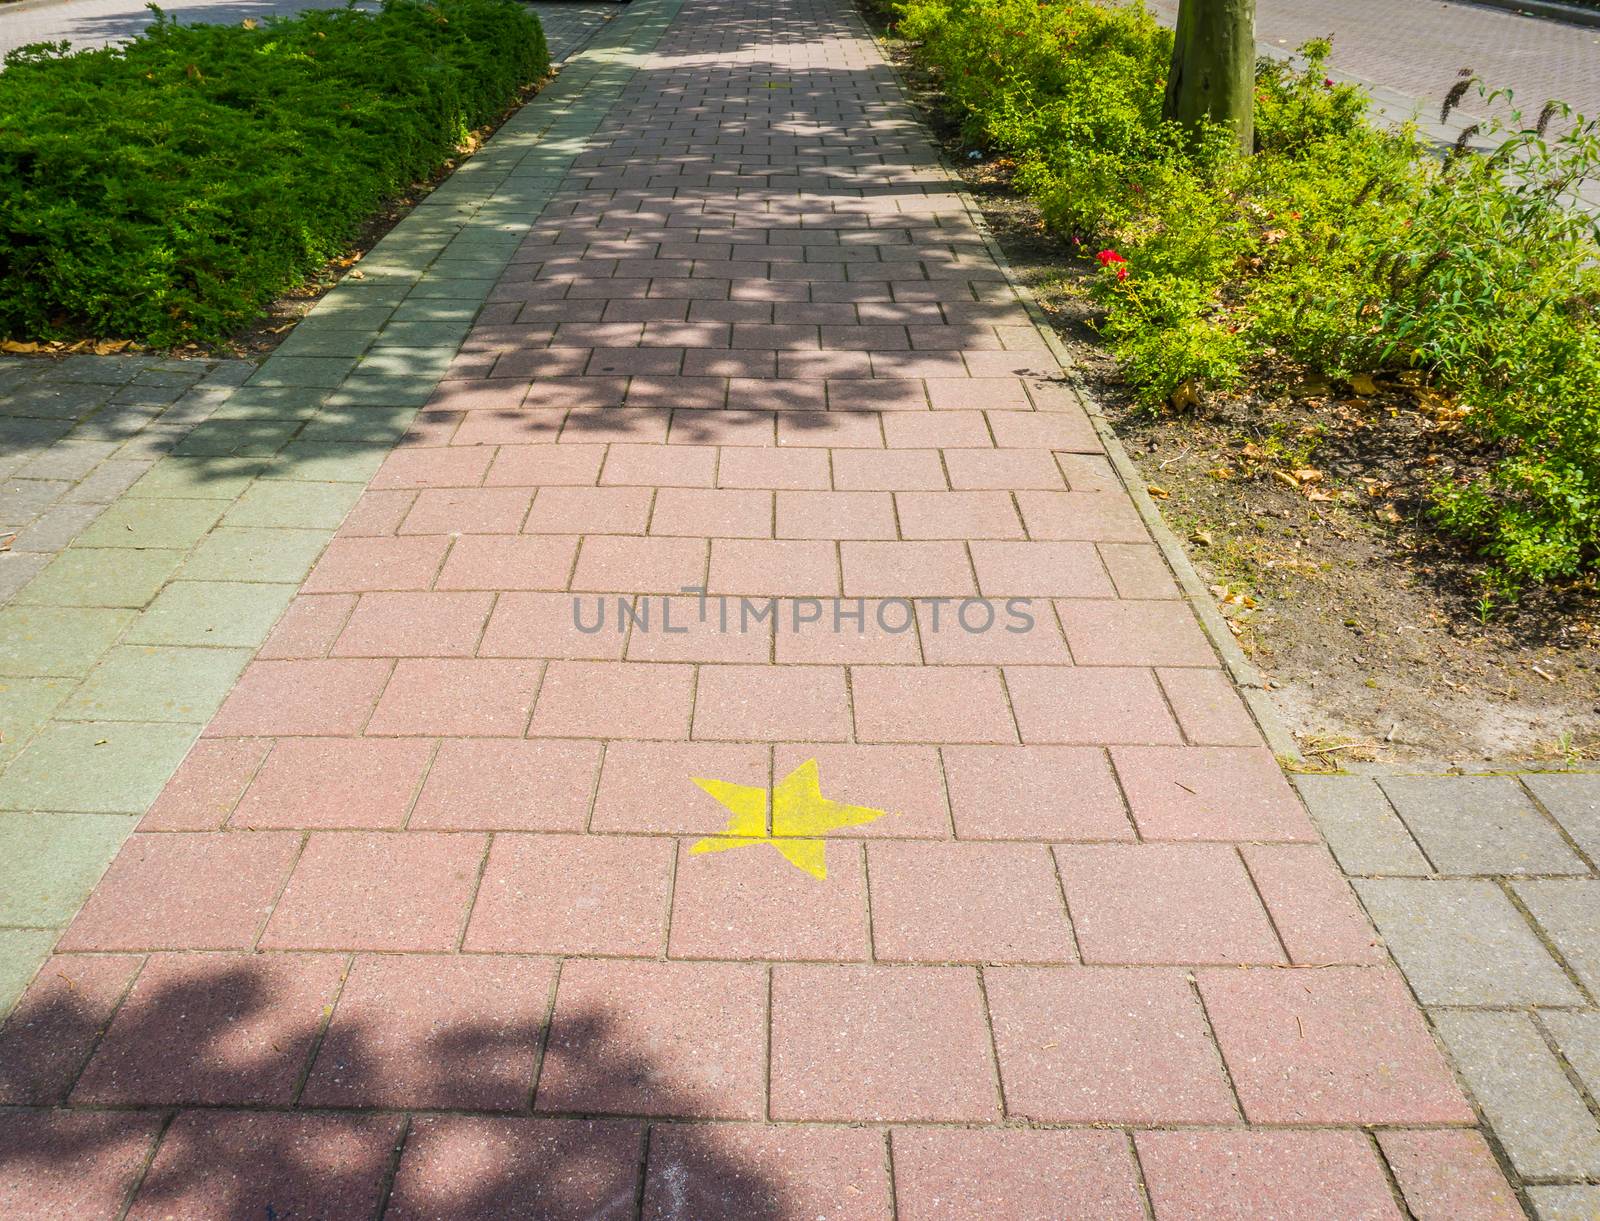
(1338, 246)
(166, 190)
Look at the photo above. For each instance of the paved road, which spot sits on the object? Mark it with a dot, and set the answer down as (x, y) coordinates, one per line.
(1031, 923)
(1416, 47)
(95, 23)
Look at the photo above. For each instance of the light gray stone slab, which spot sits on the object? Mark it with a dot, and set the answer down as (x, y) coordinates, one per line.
(1569, 912)
(1577, 1036)
(1463, 942)
(1539, 1119)
(1574, 802)
(1575, 1202)
(1364, 833)
(1480, 824)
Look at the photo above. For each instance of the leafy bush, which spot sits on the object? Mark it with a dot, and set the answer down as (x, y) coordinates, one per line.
(1339, 246)
(167, 189)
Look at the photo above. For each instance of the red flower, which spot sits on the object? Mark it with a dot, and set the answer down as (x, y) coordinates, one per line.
(1108, 257)
(1327, 82)
(1122, 273)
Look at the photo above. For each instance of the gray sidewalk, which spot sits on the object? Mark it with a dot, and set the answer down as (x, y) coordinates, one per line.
(77, 432)
(1485, 890)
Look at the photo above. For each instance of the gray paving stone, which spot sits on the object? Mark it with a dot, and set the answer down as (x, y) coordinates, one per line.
(407, 362)
(68, 460)
(312, 371)
(351, 315)
(1577, 1036)
(108, 481)
(54, 402)
(1574, 802)
(191, 409)
(140, 395)
(1479, 824)
(328, 461)
(229, 554)
(173, 374)
(21, 500)
(243, 437)
(271, 403)
(150, 443)
(102, 767)
(1569, 912)
(379, 391)
(20, 434)
(118, 421)
(1355, 819)
(21, 952)
(380, 425)
(49, 863)
(17, 569)
(228, 373)
(1463, 942)
(419, 310)
(103, 370)
(1575, 1202)
(56, 527)
(1540, 1120)
(454, 289)
(354, 293)
(308, 339)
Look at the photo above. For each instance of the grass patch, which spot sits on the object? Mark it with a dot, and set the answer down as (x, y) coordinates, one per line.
(166, 190)
(1346, 252)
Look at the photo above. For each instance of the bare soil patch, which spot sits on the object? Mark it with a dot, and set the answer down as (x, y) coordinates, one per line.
(1304, 508)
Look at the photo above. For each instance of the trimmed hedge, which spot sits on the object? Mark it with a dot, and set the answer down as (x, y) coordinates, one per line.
(168, 189)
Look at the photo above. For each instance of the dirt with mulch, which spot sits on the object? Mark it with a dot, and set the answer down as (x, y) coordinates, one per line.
(1304, 506)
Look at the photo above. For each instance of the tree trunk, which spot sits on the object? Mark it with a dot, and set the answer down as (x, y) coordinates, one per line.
(1213, 71)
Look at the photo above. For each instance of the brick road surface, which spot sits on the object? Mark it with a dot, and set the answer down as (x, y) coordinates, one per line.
(455, 909)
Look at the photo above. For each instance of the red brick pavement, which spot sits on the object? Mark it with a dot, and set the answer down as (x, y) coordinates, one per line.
(419, 924)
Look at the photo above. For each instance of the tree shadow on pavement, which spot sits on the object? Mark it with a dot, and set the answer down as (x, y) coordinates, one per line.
(187, 1093)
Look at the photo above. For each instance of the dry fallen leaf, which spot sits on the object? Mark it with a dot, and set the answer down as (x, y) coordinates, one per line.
(1160, 493)
(1363, 384)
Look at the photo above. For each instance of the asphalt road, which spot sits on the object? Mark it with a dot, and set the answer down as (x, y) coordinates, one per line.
(95, 23)
(1416, 47)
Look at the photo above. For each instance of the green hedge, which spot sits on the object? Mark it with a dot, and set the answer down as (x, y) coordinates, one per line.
(166, 190)
(1338, 247)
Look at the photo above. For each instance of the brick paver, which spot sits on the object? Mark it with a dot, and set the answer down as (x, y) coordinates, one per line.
(564, 898)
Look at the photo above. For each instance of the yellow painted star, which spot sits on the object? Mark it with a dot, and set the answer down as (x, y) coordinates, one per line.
(801, 816)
